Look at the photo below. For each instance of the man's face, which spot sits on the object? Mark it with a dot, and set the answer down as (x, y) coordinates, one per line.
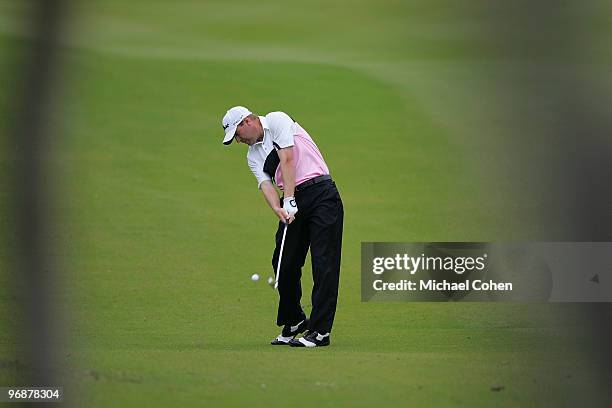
(248, 131)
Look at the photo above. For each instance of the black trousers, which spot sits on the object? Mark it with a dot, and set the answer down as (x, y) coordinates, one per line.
(318, 226)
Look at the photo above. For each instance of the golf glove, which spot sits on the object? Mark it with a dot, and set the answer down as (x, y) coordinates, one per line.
(290, 206)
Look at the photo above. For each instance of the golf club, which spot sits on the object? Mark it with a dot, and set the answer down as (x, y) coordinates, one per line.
(280, 256)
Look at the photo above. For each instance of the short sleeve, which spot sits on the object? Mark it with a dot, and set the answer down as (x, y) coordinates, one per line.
(281, 129)
(257, 170)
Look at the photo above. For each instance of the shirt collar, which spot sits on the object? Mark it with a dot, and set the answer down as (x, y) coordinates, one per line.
(266, 128)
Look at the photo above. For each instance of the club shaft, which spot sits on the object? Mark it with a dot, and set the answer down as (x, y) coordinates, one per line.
(280, 257)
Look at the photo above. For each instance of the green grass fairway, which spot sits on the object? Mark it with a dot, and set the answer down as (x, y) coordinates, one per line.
(158, 227)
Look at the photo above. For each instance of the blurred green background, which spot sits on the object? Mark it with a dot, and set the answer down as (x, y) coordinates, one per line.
(157, 227)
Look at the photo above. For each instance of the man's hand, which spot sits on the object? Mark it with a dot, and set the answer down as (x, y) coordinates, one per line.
(282, 215)
(290, 206)
(287, 212)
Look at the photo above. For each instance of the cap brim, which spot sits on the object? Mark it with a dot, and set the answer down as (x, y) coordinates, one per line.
(229, 135)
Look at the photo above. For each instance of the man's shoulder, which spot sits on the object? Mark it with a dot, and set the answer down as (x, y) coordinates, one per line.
(278, 117)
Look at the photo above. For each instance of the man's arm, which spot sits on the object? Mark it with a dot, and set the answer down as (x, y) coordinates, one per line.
(288, 170)
(273, 200)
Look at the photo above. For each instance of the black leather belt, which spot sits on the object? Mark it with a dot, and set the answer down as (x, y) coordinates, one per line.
(312, 181)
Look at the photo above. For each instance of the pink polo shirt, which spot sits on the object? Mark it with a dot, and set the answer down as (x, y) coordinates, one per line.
(308, 160)
(280, 131)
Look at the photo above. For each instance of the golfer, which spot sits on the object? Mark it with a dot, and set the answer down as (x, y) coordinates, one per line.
(281, 152)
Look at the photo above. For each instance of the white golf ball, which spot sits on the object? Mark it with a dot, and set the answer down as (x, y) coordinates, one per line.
(270, 280)
(255, 277)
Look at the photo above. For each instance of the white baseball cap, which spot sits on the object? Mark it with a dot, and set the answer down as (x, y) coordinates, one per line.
(231, 120)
